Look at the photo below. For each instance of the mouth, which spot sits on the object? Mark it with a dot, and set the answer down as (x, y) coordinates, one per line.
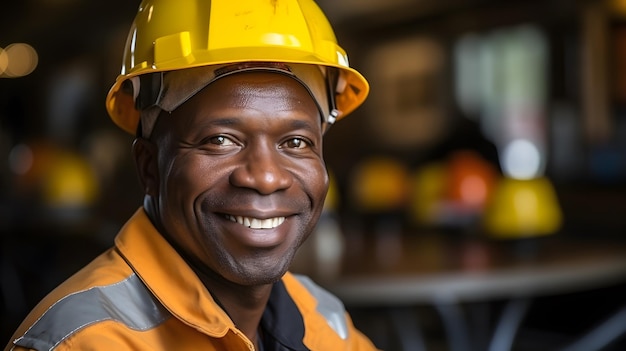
(256, 223)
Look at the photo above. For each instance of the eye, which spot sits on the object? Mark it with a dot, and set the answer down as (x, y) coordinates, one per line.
(295, 143)
(220, 140)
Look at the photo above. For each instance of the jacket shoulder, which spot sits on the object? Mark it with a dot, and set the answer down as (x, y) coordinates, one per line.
(127, 302)
(328, 305)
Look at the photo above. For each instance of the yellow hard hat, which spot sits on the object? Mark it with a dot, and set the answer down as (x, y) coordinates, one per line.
(523, 208)
(380, 184)
(170, 35)
(70, 182)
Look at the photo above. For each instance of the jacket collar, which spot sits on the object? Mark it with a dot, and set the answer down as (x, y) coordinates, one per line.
(169, 277)
(282, 322)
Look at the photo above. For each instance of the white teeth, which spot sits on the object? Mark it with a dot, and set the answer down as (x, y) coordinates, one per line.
(256, 223)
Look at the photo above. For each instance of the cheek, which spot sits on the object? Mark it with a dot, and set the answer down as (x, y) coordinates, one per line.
(318, 182)
(189, 175)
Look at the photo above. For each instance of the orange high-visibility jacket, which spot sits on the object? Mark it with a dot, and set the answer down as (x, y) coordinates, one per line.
(141, 295)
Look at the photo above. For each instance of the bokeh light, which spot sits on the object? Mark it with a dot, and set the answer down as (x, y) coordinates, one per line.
(20, 159)
(522, 159)
(4, 61)
(18, 60)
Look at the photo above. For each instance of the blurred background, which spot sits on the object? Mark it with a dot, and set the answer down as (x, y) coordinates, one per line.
(478, 197)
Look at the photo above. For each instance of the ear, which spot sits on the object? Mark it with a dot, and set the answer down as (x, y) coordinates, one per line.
(145, 155)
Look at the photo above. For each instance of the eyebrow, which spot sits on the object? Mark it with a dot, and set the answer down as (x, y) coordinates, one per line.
(300, 124)
(231, 121)
(226, 121)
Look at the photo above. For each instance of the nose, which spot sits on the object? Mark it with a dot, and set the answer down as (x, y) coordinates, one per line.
(262, 168)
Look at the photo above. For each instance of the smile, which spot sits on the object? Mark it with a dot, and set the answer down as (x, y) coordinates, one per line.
(256, 223)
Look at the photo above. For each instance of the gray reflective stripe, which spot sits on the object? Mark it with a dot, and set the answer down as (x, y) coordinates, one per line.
(328, 305)
(127, 302)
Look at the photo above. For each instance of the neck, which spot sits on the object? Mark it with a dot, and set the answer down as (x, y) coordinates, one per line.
(244, 304)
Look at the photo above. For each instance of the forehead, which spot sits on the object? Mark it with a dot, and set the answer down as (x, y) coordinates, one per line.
(249, 94)
(254, 87)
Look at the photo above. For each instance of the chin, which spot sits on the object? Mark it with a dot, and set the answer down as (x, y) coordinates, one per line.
(260, 274)
(258, 279)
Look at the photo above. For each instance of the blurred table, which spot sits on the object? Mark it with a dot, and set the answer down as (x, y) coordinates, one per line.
(403, 269)
(446, 271)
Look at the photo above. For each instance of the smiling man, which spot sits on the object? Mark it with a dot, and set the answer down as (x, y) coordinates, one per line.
(229, 101)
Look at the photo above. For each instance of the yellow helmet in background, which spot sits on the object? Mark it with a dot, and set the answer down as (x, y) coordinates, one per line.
(170, 35)
(523, 208)
(70, 182)
(379, 184)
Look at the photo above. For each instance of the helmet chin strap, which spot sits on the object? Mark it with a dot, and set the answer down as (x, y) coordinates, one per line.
(332, 80)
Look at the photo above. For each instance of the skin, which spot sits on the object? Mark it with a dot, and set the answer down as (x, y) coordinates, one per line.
(250, 146)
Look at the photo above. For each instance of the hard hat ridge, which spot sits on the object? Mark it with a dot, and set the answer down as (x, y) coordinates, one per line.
(172, 35)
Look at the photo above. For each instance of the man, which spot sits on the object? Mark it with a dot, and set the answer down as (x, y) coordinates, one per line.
(229, 101)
